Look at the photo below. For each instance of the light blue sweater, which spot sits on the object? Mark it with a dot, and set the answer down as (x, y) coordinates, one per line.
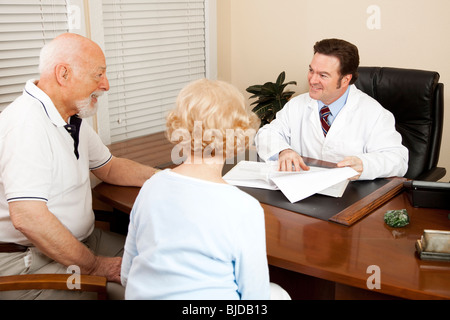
(194, 239)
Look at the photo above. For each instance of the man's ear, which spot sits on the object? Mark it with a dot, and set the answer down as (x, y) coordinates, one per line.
(347, 78)
(62, 73)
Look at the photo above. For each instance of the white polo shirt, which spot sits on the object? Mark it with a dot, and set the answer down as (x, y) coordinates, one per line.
(38, 162)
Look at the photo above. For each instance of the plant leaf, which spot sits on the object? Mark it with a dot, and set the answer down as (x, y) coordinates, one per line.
(270, 97)
(269, 88)
(281, 78)
(256, 89)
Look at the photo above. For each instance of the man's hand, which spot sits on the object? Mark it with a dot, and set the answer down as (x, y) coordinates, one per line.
(354, 163)
(289, 160)
(53, 239)
(108, 267)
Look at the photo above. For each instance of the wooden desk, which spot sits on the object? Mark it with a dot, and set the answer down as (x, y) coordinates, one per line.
(312, 258)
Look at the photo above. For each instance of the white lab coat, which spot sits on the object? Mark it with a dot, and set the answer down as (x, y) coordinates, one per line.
(363, 128)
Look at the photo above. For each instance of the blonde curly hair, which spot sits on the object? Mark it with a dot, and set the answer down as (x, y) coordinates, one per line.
(210, 117)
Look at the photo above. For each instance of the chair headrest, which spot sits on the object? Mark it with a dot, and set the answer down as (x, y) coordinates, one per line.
(396, 88)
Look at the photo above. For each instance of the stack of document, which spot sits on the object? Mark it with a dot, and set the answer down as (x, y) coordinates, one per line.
(295, 185)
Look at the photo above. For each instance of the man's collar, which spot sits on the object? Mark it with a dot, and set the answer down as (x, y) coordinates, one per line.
(73, 128)
(47, 104)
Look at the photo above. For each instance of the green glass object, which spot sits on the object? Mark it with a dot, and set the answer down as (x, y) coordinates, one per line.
(396, 218)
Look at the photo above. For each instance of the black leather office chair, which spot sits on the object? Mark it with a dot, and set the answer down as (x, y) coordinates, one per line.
(416, 98)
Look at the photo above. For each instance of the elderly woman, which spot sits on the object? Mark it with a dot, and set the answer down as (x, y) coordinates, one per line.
(192, 235)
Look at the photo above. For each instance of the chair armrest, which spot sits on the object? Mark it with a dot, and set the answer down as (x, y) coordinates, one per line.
(434, 174)
(53, 281)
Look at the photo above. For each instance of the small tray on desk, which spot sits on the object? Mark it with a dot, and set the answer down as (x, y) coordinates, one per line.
(424, 255)
(434, 245)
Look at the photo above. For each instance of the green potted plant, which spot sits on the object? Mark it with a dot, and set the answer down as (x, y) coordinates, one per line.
(271, 97)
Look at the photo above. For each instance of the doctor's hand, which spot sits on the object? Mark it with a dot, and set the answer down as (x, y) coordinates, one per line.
(289, 160)
(354, 163)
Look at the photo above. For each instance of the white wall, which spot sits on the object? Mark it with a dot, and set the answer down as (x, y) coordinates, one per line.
(257, 39)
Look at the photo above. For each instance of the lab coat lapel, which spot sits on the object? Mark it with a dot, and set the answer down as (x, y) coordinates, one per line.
(341, 120)
(314, 119)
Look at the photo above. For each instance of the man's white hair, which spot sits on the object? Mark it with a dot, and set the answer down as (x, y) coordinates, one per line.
(59, 50)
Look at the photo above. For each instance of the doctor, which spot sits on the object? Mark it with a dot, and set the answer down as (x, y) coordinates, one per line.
(335, 121)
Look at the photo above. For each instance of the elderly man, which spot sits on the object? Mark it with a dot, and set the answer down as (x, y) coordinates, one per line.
(335, 121)
(46, 154)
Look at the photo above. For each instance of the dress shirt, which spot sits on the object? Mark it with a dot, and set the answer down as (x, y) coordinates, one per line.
(335, 107)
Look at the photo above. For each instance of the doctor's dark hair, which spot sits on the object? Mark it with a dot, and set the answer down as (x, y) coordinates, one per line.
(346, 52)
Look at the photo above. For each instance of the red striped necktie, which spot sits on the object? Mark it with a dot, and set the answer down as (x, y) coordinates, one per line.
(324, 114)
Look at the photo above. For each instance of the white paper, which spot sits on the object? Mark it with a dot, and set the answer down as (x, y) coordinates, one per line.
(296, 185)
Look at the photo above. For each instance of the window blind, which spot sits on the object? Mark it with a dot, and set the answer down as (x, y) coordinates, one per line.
(25, 26)
(153, 49)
